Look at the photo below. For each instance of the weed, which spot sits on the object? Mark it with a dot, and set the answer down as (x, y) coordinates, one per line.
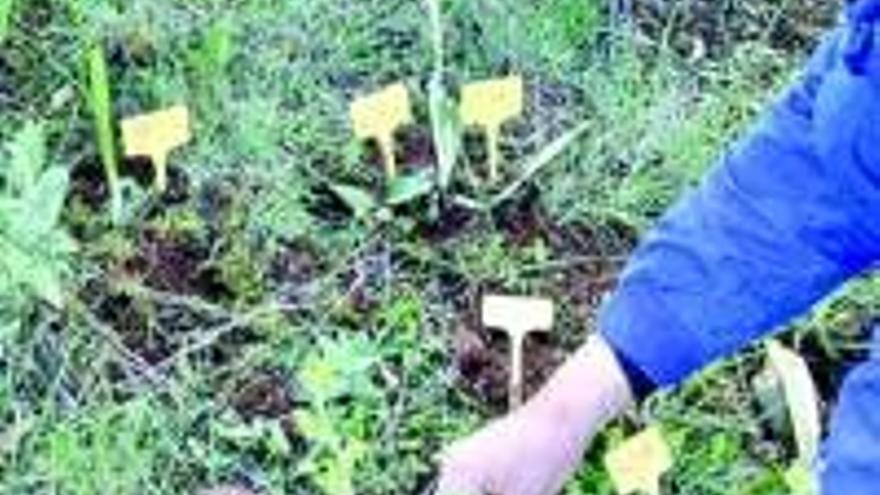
(35, 250)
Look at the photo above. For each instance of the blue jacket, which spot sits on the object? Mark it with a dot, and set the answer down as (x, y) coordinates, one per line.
(788, 213)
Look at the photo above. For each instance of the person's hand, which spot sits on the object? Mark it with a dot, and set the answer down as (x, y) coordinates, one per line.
(533, 450)
(524, 453)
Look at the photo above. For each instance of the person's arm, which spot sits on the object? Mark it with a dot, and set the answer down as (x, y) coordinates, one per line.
(791, 212)
(787, 215)
(532, 451)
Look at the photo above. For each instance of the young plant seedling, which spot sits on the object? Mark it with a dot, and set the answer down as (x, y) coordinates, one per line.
(378, 115)
(489, 104)
(155, 135)
(517, 316)
(637, 465)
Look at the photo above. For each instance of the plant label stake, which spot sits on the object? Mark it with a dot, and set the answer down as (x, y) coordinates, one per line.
(517, 316)
(378, 115)
(637, 465)
(489, 104)
(155, 135)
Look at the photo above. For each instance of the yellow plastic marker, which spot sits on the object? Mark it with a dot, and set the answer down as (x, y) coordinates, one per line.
(637, 465)
(489, 104)
(155, 135)
(378, 115)
(517, 316)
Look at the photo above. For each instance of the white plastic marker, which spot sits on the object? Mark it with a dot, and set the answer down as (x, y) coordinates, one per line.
(637, 465)
(378, 115)
(803, 401)
(517, 316)
(489, 104)
(155, 135)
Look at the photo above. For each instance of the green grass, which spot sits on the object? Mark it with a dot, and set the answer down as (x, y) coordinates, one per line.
(136, 385)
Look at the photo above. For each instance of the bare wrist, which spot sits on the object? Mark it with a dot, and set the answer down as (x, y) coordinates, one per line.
(589, 390)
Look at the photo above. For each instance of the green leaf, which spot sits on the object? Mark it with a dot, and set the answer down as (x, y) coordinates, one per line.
(46, 200)
(446, 127)
(5, 18)
(407, 188)
(27, 156)
(102, 113)
(534, 165)
(361, 202)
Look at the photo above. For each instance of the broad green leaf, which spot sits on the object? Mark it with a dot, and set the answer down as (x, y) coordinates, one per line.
(361, 202)
(801, 479)
(27, 156)
(405, 189)
(46, 200)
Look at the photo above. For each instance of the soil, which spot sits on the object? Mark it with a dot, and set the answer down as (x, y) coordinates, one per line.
(176, 264)
(88, 186)
(590, 256)
(264, 394)
(292, 271)
(709, 29)
(483, 362)
(142, 171)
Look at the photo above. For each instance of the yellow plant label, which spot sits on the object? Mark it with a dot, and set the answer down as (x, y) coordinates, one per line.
(381, 113)
(378, 115)
(637, 465)
(155, 135)
(491, 103)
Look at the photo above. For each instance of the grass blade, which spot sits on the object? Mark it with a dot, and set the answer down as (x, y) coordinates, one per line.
(102, 113)
(5, 18)
(539, 161)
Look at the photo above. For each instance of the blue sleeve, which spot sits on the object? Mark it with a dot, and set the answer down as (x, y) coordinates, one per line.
(787, 214)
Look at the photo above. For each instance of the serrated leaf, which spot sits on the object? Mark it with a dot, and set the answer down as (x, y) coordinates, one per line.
(406, 189)
(360, 201)
(44, 280)
(638, 464)
(46, 200)
(27, 156)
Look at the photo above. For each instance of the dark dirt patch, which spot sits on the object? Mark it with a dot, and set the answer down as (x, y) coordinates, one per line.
(711, 29)
(142, 171)
(175, 264)
(263, 394)
(451, 222)
(292, 271)
(88, 186)
(415, 147)
(586, 262)
(131, 319)
(326, 207)
(483, 362)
